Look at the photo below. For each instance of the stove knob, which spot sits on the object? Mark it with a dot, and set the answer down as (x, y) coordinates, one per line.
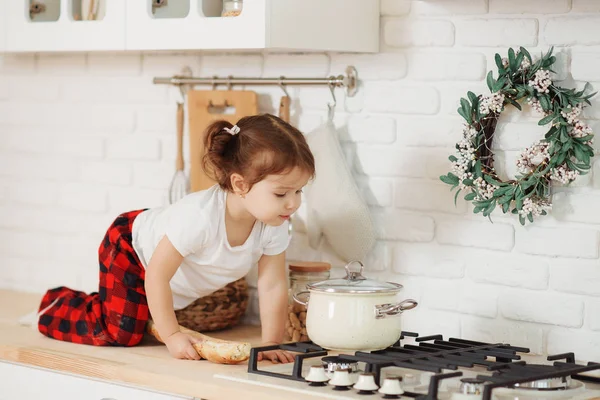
(391, 386)
(316, 375)
(341, 378)
(366, 382)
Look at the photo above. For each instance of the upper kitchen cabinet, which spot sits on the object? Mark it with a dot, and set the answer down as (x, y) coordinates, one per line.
(286, 25)
(300, 25)
(64, 25)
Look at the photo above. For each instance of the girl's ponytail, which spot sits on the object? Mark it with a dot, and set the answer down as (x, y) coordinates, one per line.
(217, 159)
(257, 146)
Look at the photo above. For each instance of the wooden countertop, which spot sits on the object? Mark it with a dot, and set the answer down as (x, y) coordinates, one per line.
(147, 365)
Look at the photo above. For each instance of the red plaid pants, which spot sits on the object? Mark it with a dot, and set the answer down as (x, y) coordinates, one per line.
(116, 315)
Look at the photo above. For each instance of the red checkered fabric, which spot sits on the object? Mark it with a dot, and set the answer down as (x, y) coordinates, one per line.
(116, 315)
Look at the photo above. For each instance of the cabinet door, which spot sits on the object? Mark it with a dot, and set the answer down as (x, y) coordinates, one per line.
(64, 25)
(194, 25)
(30, 383)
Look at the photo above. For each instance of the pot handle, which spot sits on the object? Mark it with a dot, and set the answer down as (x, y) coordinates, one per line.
(352, 275)
(389, 310)
(297, 300)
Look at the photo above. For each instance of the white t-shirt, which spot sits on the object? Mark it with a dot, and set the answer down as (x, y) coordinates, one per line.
(195, 225)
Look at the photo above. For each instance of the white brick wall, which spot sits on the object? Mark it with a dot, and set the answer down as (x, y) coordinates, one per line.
(509, 269)
(449, 295)
(558, 241)
(530, 6)
(504, 331)
(429, 260)
(427, 196)
(399, 98)
(578, 278)
(585, 66)
(497, 32)
(380, 66)
(592, 316)
(478, 233)
(418, 33)
(570, 31)
(543, 308)
(585, 6)
(457, 7)
(577, 341)
(448, 66)
(84, 137)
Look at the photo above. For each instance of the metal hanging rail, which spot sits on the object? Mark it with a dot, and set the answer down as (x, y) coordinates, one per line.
(348, 81)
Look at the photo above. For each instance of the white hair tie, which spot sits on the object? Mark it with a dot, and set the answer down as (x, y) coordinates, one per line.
(234, 130)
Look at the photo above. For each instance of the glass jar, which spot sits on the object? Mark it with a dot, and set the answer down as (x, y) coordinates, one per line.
(232, 8)
(301, 273)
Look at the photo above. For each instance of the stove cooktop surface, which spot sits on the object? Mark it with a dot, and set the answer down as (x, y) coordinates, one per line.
(426, 368)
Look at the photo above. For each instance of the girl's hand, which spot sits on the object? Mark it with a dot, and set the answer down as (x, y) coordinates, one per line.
(180, 345)
(276, 356)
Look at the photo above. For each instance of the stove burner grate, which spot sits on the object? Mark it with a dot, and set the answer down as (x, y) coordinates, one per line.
(306, 350)
(435, 354)
(538, 377)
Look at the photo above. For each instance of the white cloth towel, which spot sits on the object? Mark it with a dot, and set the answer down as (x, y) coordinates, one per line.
(336, 209)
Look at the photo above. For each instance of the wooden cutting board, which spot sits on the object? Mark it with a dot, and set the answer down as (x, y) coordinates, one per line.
(205, 107)
(284, 108)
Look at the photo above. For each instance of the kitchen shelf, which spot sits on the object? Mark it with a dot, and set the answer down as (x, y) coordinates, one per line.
(272, 25)
(70, 32)
(303, 25)
(195, 30)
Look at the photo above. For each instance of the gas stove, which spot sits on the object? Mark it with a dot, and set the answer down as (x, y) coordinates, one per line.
(426, 368)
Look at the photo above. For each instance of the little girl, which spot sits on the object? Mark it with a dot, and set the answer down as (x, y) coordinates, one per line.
(158, 260)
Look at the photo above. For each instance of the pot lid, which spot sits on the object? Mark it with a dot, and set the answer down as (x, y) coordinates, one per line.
(354, 282)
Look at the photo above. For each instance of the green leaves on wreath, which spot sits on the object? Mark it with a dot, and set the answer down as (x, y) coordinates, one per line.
(512, 61)
(490, 81)
(545, 102)
(450, 179)
(547, 120)
(565, 149)
(465, 110)
(495, 85)
(485, 207)
(469, 109)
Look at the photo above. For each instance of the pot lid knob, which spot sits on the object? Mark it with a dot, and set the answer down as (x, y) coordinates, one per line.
(353, 275)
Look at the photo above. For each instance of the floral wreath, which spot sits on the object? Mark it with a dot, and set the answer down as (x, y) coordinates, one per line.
(561, 156)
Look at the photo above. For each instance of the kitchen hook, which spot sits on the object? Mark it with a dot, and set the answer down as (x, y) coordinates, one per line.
(214, 87)
(330, 106)
(186, 72)
(282, 86)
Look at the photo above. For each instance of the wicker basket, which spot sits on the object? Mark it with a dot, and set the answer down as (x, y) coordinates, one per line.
(220, 310)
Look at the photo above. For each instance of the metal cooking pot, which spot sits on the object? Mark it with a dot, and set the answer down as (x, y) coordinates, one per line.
(354, 313)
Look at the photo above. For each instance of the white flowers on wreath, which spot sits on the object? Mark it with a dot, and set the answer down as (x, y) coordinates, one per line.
(467, 169)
